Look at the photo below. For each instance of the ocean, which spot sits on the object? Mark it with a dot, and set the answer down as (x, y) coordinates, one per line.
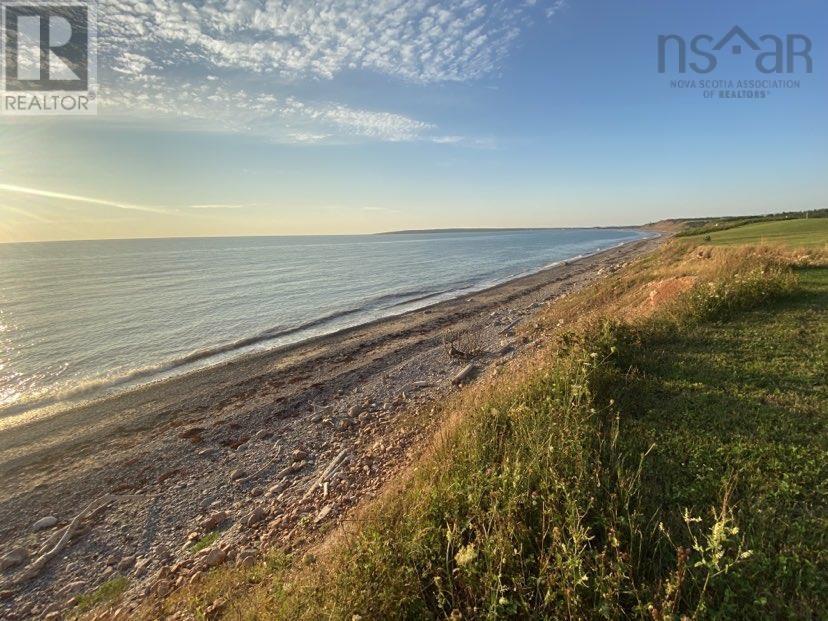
(81, 320)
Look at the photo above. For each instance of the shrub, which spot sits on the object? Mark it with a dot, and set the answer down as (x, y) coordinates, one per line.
(721, 297)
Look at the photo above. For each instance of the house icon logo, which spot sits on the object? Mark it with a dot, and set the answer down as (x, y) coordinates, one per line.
(702, 54)
(732, 39)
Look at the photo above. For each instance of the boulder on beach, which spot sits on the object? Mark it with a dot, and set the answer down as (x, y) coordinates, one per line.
(45, 522)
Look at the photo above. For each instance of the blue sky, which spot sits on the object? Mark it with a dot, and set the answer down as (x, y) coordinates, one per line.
(248, 117)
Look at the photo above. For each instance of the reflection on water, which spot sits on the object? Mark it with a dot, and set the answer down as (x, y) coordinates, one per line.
(79, 318)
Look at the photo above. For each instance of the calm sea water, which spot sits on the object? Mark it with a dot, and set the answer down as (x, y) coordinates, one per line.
(82, 319)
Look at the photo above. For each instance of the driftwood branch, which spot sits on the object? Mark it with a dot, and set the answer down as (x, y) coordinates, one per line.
(416, 386)
(464, 374)
(37, 566)
(336, 461)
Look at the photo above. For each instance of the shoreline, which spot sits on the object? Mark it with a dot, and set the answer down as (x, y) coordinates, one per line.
(177, 451)
(98, 389)
(138, 380)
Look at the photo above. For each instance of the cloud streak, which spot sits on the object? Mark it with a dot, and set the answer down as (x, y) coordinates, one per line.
(218, 206)
(16, 189)
(88, 200)
(221, 107)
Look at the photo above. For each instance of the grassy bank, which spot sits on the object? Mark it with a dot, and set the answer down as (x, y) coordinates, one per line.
(811, 233)
(801, 233)
(694, 228)
(662, 454)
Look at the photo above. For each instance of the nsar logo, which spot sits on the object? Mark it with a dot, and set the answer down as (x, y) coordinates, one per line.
(772, 53)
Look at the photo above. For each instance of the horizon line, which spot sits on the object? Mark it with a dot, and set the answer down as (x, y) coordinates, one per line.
(800, 213)
(393, 232)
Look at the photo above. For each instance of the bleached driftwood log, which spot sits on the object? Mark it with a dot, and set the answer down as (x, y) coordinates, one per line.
(40, 562)
(464, 374)
(334, 463)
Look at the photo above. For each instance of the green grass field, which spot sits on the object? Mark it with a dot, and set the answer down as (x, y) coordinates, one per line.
(741, 405)
(810, 233)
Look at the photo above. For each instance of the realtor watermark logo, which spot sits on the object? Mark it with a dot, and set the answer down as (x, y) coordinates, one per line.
(775, 63)
(49, 58)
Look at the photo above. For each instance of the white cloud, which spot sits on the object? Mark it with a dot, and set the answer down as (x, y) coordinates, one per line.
(210, 105)
(365, 123)
(418, 40)
(554, 7)
(307, 137)
(218, 63)
(133, 64)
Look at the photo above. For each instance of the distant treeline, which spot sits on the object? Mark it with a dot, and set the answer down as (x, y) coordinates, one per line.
(711, 225)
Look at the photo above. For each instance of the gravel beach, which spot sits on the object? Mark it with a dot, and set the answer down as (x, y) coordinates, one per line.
(165, 481)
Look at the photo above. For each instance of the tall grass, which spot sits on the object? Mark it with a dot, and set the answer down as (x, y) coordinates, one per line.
(715, 227)
(739, 283)
(527, 506)
(533, 505)
(530, 508)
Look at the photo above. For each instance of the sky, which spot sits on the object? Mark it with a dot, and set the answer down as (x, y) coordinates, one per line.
(281, 117)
